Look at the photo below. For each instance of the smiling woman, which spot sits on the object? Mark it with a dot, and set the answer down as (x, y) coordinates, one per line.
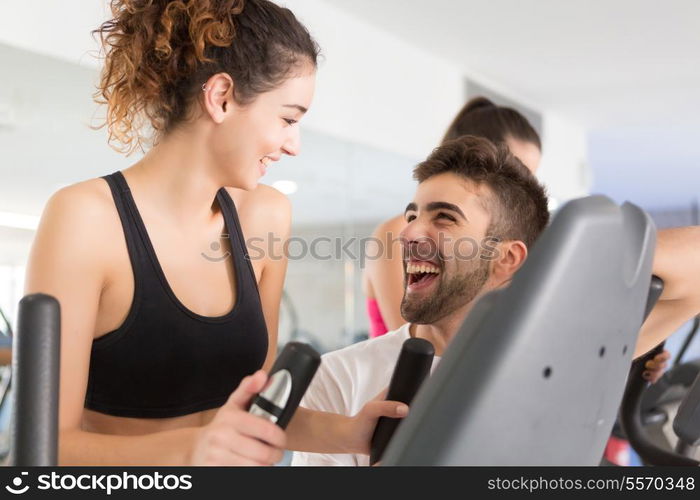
(156, 336)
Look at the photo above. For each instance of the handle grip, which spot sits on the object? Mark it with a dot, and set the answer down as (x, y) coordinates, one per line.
(290, 376)
(412, 368)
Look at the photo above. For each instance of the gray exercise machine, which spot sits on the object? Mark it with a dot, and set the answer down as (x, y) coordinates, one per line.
(537, 371)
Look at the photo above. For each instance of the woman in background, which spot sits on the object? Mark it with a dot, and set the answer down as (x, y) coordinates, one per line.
(383, 277)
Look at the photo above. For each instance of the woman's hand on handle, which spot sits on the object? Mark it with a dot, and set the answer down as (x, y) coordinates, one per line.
(235, 437)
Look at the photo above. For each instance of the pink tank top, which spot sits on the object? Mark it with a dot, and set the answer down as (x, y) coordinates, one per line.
(376, 322)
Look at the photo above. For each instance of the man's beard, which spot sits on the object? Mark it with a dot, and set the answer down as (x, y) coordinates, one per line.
(451, 294)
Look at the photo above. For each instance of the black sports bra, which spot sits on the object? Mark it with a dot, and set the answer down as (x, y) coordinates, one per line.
(165, 360)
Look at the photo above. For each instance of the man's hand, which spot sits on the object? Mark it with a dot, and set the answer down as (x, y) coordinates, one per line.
(361, 428)
(654, 368)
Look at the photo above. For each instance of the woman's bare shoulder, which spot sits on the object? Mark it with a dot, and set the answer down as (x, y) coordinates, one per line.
(87, 203)
(264, 204)
(82, 214)
(74, 240)
(390, 228)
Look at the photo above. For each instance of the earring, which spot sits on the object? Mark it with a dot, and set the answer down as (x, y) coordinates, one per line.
(204, 87)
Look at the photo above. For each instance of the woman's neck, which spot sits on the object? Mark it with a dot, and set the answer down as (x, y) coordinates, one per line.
(179, 175)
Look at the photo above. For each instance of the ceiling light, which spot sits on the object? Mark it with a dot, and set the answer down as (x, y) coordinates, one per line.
(286, 187)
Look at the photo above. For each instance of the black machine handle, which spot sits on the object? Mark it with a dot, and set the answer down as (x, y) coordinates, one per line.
(35, 367)
(686, 424)
(290, 376)
(412, 368)
(630, 410)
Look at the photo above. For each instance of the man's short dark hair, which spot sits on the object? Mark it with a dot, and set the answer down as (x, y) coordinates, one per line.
(517, 203)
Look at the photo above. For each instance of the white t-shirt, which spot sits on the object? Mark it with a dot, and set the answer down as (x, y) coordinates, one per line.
(346, 380)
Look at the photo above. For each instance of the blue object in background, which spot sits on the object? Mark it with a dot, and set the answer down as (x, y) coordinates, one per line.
(654, 167)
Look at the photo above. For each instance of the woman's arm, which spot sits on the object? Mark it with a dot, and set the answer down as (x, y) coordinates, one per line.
(384, 270)
(66, 261)
(677, 263)
(273, 215)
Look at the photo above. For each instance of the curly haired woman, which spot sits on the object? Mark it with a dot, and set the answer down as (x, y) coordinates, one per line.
(163, 346)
